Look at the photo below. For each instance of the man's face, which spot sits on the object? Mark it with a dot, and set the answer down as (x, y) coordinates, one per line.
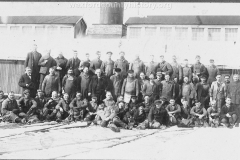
(29, 71)
(65, 97)
(186, 63)
(211, 63)
(75, 54)
(60, 55)
(48, 52)
(161, 58)
(117, 73)
(94, 100)
(51, 71)
(87, 56)
(142, 76)
(11, 96)
(203, 79)
(136, 56)
(1, 95)
(159, 77)
(98, 55)
(130, 75)
(109, 55)
(40, 94)
(218, 78)
(175, 80)
(167, 77)
(120, 98)
(108, 95)
(197, 59)
(79, 96)
(174, 58)
(120, 105)
(198, 105)
(34, 48)
(214, 105)
(235, 78)
(151, 77)
(227, 79)
(185, 79)
(122, 54)
(228, 101)
(26, 95)
(158, 105)
(54, 95)
(152, 58)
(98, 73)
(85, 70)
(146, 99)
(70, 72)
(172, 101)
(133, 100)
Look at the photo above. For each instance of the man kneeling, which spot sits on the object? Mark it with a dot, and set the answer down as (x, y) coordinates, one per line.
(199, 114)
(228, 114)
(213, 114)
(174, 111)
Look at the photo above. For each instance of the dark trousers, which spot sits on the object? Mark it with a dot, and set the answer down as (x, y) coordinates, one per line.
(42, 76)
(119, 123)
(229, 120)
(237, 109)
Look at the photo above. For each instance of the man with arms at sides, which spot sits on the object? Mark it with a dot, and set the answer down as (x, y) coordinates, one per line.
(165, 67)
(123, 64)
(96, 63)
(213, 71)
(187, 71)
(84, 81)
(70, 84)
(74, 63)
(168, 88)
(187, 89)
(61, 65)
(198, 69)
(177, 70)
(204, 86)
(108, 66)
(152, 66)
(137, 65)
(115, 84)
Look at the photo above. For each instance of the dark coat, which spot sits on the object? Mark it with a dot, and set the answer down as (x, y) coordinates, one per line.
(51, 83)
(40, 102)
(70, 85)
(199, 69)
(138, 67)
(151, 68)
(61, 62)
(84, 81)
(151, 90)
(123, 65)
(168, 90)
(187, 72)
(9, 105)
(233, 92)
(97, 85)
(115, 85)
(27, 104)
(213, 71)
(158, 114)
(165, 67)
(45, 66)
(107, 67)
(225, 110)
(25, 79)
(177, 71)
(74, 65)
(95, 64)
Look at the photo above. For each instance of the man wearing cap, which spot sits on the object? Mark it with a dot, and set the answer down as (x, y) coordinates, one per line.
(138, 66)
(123, 64)
(51, 83)
(151, 89)
(86, 62)
(70, 84)
(96, 63)
(177, 90)
(28, 106)
(199, 114)
(218, 92)
(168, 88)
(152, 66)
(108, 65)
(41, 101)
(84, 81)
(187, 89)
(197, 89)
(174, 111)
(98, 86)
(198, 68)
(158, 116)
(213, 114)
(46, 62)
(204, 87)
(228, 114)
(115, 84)
(130, 87)
(26, 82)
(31, 61)
(165, 67)
(10, 110)
(233, 91)
(141, 81)
(187, 71)
(158, 82)
(177, 70)
(74, 63)
(213, 71)
(226, 80)
(138, 117)
(61, 65)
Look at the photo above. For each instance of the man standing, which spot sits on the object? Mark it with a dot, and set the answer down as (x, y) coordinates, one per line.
(234, 93)
(218, 92)
(158, 82)
(31, 61)
(70, 84)
(227, 80)
(116, 83)
(152, 66)
(98, 86)
(122, 63)
(187, 71)
(51, 83)
(108, 65)
(74, 63)
(84, 81)
(96, 63)
(61, 65)
(187, 89)
(86, 62)
(45, 62)
(204, 92)
(213, 71)
(198, 68)
(177, 70)
(26, 82)
(138, 66)
(151, 89)
(130, 87)
(165, 67)
(168, 88)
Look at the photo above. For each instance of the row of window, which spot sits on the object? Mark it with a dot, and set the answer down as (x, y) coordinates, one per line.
(37, 30)
(181, 33)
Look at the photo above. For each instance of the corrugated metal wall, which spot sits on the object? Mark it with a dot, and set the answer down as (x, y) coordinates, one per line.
(10, 72)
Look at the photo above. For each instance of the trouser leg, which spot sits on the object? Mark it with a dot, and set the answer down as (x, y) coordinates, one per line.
(119, 123)
(42, 76)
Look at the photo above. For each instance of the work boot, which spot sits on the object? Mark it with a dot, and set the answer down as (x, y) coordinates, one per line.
(24, 121)
(104, 123)
(113, 127)
(58, 120)
(237, 125)
(205, 124)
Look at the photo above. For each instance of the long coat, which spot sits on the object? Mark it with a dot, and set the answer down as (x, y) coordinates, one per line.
(177, 71)
(123, 65)
(31, 61)
(98, 85)
(69, 85)
(138, 67)
(51, 83)
(45, 66)
(116, 85)
(84, 81)
(107, 67)
(151, 68)
(233, 92)
(74, 64)
(168, 89)
(187, 72)
(25, 79)
(213, 71)
(217, 92)
(165, 67)
(61, 62)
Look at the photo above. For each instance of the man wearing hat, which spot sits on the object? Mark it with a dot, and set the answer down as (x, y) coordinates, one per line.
(28, 106)
(165, 67)
(187, 71)
(108, 65)
(130, 87)
(158, 116)
(177, 70)
(70, 84)
(152, 66)
(199, 114)
(151, 89)
(198, 69)
(218, 91)
(123, 64)
(213, 71)
(138, 66)
(168, 88)
(74, 63)
(115, 84)
(204, 91)
(96, 63)
(26, 82)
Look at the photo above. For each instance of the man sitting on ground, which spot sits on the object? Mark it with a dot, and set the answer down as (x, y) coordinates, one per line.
(63, 108)
(174, 111)
(228, 114)
(199, 114)
(213, 114)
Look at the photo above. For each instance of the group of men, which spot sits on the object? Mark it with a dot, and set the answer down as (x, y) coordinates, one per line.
(122, 94)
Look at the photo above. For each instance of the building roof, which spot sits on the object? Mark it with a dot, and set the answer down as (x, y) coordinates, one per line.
(40, 19)
(184, 20)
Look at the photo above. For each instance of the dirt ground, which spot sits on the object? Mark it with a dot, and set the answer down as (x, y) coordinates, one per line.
(75, 142)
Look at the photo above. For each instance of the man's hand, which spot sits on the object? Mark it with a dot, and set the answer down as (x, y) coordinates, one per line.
(201, 116)
(57, 107)
(50, 100)
(59, 68)
(106, 119)
(27, 85)
(89, 94)
(228, 115)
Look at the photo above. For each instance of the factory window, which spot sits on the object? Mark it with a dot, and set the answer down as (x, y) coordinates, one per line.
(66, 30)
(181, 33)
(52, 30)
(214, 34)
(165, 32)
(150, 31)
(197, 34)
(15, 29)
(40, 30)
(231, 34)
(135, 32)
(27, 30)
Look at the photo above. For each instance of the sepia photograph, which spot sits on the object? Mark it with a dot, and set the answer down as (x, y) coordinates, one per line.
(120, 80)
